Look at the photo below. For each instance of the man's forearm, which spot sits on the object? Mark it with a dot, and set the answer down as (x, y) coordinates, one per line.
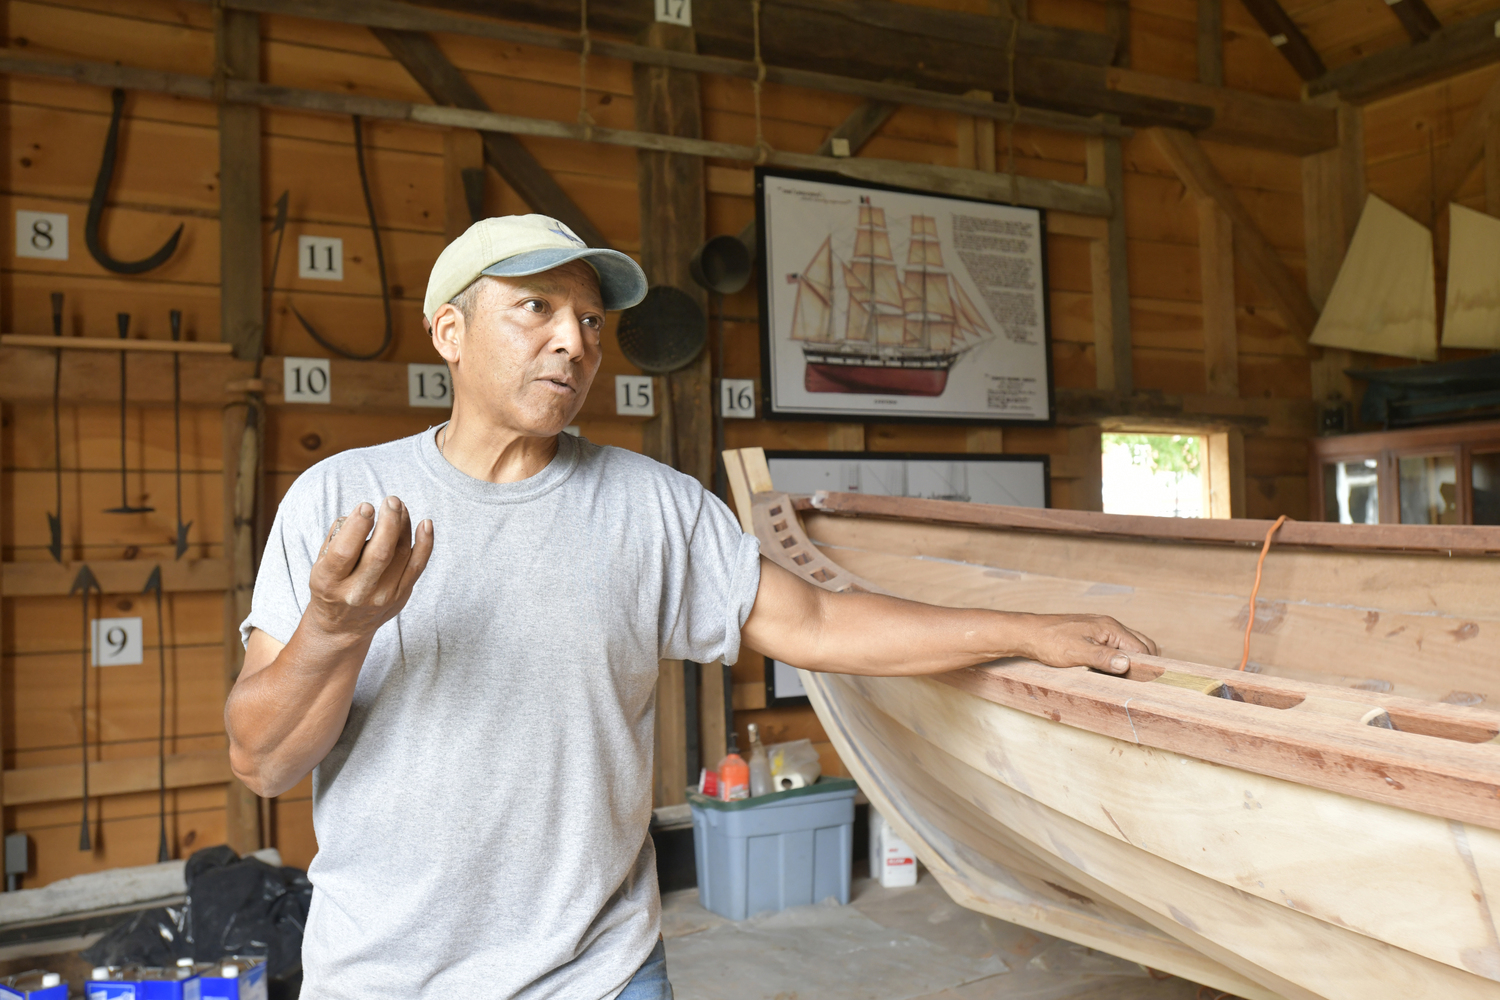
(880, 635)
(284, 718)
(858, 633)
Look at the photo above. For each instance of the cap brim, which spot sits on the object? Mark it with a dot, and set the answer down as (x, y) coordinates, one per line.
(622, 283)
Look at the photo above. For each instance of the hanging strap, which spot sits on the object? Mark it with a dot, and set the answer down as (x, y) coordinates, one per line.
(762, 148)
(1260, 564)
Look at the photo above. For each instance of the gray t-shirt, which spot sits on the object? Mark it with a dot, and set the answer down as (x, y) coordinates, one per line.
(482, 820)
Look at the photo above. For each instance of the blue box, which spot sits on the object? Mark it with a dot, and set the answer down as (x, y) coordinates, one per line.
(247, 983)
(34, 985)
(137, 983)
(774, 851)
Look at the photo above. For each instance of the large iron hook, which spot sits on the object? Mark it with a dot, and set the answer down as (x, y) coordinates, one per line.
(96, 206)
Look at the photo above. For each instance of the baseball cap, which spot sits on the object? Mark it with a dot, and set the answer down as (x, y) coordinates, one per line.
(511, 246)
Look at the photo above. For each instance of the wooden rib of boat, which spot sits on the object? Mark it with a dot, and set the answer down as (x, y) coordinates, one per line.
(1325, 824)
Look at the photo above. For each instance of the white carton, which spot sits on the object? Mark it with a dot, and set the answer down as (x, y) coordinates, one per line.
(892, 862)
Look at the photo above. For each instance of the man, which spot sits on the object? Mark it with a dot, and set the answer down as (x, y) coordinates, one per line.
(475, 696)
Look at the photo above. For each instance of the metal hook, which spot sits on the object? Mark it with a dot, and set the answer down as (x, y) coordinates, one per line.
(96, 206)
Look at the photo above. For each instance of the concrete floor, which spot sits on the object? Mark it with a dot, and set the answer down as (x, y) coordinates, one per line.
(889, 944)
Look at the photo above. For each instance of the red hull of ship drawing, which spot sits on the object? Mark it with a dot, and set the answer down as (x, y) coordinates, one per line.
(879, 381)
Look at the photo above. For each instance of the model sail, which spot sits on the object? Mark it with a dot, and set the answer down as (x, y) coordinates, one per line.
(812, 316)
(926, 302)
(1472, 316)
(1384, 300)
(874, 314)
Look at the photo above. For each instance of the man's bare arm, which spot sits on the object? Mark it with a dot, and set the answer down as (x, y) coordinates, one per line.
(291, 702)
(853, 633)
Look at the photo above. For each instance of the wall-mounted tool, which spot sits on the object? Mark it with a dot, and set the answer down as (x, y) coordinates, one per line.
(153, 585)
(385, 291)
(96, 206)
(82, 584)
(722, 267)
(123, 321)
(175, 317)
(54, 521)
(662, 333)
(278, 228)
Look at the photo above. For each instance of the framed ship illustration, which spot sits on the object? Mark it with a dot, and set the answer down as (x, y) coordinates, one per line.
(886, 304)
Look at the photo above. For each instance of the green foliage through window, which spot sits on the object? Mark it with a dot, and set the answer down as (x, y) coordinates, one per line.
(1181, 454)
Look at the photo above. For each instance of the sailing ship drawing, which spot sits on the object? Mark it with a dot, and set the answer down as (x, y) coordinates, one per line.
(867, 326)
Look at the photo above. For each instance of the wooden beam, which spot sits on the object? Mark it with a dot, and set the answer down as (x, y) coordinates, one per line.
(123, 776)
(1238, 117)
(1273, 277)
(1051, 78)
(1464, 152)
(1224, 463)
(857, 129)
(1267, 416)
(240, 303)
(1333, 195)
(976, 138)
(237, 39)
(1416, 17)
(115, 576)
(673, 226)
(1448, 52)
(446, 85)
(1109, 270)
(1117, 27)
(1211, 42)
(1018, 190)
(463, 168)
(114, 344)
(1287, 37)
(1221, 352)
(93, 377)
(1492, 168)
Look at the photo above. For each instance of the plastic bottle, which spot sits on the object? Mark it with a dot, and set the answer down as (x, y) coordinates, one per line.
(760, 768)
(734, 775)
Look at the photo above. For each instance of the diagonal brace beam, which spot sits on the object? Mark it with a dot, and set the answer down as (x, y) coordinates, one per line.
(1271, 275)
(446, 84)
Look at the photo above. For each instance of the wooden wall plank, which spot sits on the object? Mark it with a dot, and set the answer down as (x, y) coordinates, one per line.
(1221, 354)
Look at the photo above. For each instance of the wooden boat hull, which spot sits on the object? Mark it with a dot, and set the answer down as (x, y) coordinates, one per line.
(1104, 810)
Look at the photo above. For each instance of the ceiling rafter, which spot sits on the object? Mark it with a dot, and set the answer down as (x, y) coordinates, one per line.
(1416, 17)
(1288, 38)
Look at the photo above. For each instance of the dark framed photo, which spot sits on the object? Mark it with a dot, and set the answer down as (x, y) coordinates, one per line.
(880, 303)
(1010, 480)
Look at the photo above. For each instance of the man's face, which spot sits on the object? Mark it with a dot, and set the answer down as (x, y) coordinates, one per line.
(530, 349)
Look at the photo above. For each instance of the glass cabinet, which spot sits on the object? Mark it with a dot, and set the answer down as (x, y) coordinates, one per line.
(1430, 475)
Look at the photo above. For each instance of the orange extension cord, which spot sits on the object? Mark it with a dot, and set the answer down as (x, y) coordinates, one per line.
(1260, 564)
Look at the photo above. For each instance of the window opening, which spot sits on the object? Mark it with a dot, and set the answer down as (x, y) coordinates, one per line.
(1158, 475)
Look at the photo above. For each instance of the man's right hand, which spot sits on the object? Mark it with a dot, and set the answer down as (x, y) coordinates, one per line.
(362, 580)
(291, 702)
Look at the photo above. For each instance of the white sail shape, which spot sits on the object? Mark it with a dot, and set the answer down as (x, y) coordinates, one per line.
(1384, 300)
(1472, 318)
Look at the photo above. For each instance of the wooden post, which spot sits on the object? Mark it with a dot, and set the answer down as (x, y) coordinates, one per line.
(1110, 273)
(672, 206)
(1086, 443)
(242, 324)
(672, 199)
(1221, 353)
(462, 150)
(1117, 26)
(1224, 468)
(1492, 168)
(976, 137)
(713, 737)
(1211, 42)
(1333, 195)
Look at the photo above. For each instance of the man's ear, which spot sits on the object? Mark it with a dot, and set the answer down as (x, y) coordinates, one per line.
(447, 328)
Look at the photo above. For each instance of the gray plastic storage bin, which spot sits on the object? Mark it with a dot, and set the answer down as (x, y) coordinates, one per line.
(765, 854)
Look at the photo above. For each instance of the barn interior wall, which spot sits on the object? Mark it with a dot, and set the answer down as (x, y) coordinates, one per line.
(167, 176)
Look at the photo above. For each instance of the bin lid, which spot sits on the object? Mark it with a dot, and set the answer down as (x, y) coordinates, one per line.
(822, 786)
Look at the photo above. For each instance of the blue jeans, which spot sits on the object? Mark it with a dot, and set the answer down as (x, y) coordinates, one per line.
(650, 980)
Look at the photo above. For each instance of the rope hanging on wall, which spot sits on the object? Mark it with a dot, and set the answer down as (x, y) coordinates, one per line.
(1010, 91)
(385, 291)
(584, 118)
(762, 148)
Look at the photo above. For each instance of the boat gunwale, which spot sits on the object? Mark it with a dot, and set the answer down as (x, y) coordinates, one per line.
(1430, 774)
(1447, 540)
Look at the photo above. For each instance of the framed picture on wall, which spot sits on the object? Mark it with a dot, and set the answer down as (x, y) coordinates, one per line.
(1011, 480)
(879, 303)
